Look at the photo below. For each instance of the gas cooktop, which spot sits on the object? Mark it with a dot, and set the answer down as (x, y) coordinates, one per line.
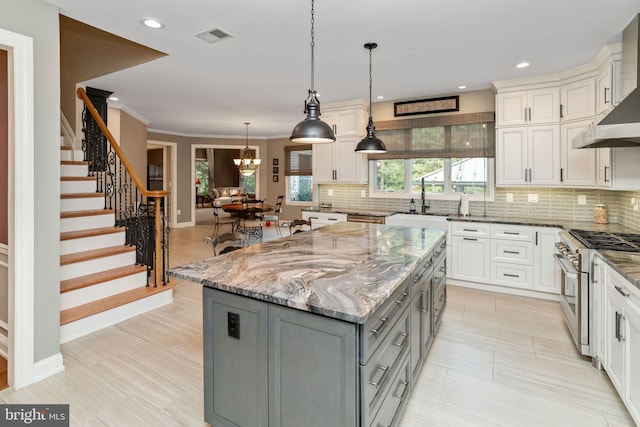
(608, 241)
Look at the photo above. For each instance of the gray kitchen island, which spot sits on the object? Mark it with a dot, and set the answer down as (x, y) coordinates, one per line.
(323, 328)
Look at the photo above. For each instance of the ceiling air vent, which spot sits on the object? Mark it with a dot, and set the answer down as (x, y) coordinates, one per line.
(214, 35)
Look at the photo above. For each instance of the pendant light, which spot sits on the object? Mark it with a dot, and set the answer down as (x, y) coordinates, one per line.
(370, 144)
(312, 130)
(246, 164)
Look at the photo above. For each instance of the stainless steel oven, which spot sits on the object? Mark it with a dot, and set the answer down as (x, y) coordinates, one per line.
(575, 292)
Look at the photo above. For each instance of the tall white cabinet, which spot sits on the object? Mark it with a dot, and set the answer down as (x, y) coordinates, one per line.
(338, 162)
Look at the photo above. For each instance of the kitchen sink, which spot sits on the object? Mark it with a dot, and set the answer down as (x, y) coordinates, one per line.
(419, 220)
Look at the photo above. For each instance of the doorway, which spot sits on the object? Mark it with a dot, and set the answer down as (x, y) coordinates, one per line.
(162, 172)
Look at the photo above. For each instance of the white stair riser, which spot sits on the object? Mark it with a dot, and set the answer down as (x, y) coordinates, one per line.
(66, 154)
(102, 290)
(71, 187)
(74, 170)
(98, 321)
(92, 242)
(77, 269)
(83, 204)
(87, 222)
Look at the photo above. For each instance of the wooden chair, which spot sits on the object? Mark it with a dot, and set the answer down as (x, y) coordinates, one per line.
(250, 222)
(225, 243)
(276, 214)
(298, 226)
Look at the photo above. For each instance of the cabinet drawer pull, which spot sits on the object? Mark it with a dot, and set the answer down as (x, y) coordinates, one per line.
(332, 219)
(606, 168)
(621, 291)
(400, 301)
(376, 331)
(383, 377)
(403, 342)
(469, 238)
(404, 390)
(511, 275)
(423, 306)
(511, 233)
(619, 319)
(314, 217)
(512, 252)
(469, 229)
(606, 89)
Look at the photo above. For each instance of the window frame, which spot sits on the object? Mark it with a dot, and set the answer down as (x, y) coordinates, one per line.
(287, 175)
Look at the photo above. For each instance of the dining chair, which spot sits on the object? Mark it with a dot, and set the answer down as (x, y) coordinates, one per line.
(222, 220)
(228, 242)
(251, 218)
(275, 218)
(299, 225)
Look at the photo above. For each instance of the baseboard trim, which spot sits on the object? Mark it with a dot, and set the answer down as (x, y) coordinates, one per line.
(504, 290)
(47, 367)
(4, 340)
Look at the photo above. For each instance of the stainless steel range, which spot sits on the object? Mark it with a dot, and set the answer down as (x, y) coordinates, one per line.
(574, 252)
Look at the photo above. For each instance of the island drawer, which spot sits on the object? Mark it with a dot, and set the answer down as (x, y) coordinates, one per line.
(439, 250)
(378, 374)
(381, 322)
(396, 398)
(421, 274)
(439, 293)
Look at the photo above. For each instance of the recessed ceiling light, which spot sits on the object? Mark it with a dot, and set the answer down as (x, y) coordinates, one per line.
(380, 97)
(462, 87)
(152, 23)
(522, 65)
(114, 98)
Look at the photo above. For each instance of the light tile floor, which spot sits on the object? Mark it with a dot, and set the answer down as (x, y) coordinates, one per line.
(498, 360)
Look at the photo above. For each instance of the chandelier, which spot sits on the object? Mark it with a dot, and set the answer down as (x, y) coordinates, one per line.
(246, 164)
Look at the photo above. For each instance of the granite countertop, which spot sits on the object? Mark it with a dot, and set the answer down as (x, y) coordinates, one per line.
(625, 263)
(344, 270)
(560, 223)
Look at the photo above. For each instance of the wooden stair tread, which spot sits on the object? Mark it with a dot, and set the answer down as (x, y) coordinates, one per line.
(78, 178)
(104, 304)
(70, 235)
(74, 162)
(65, 147)
(100, 277)
(95, 253)
(80, 195)
(92, 212)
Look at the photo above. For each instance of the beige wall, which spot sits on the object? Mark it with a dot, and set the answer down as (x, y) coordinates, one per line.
(4, 144)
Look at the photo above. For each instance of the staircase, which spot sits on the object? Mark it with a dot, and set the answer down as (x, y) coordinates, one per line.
(101, 284)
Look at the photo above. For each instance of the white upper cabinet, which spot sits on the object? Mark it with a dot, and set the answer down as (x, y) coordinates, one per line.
(534, 106)
(608, 87)
(577, 166)
(578, 99)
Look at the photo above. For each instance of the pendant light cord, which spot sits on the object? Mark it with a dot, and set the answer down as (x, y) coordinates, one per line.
(370, 80)
(312, 43)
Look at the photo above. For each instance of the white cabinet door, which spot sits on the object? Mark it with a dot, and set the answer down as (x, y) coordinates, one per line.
(615, 336)
(632, 336)
(546, 274)
(603, 174)
(536, 106)
(351, 167)
(543, 149)
(577, 100)
(320, 219)
(544, 106)
(511, 108)
(598, 280)
(577, 166)
(608, 87)
(470, 258)
(323, 167)
(511, 156)
(349, 123)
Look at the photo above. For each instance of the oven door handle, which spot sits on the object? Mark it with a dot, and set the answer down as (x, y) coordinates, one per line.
(568, 270)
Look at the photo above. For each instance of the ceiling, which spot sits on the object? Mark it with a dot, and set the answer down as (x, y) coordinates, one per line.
(261, 75)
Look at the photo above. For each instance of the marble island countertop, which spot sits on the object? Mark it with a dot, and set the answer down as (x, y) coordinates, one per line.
(625, 263)
(344, 270)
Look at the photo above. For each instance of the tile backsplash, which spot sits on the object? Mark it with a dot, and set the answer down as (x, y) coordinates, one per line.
(553, 203)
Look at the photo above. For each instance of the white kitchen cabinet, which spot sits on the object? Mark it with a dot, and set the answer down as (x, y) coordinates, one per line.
(337, 162)
(603, 173)
(622, 335)
(528, 156)
(470, 252)
(599, 283)
(527, 107)
(578, 99)
(512, 256)
(320, 219)
(546, 274)
(577, 166)
(608, 87)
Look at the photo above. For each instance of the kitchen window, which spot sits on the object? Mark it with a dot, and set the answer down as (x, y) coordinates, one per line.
(450, 154)
(298, 173)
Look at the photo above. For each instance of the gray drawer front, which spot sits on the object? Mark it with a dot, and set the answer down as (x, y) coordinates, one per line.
(378, 373)
(378, 326)
(439, 302)
(396, 398)
(440, 250)
(421, 273)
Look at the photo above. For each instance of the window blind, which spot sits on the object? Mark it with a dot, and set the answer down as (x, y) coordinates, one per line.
(298, 160)
(450, 136)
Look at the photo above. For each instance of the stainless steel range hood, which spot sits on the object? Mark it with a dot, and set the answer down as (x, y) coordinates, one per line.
(621, 127)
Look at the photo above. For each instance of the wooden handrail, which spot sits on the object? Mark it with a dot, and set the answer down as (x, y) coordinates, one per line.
(103, 127)
(159, 265)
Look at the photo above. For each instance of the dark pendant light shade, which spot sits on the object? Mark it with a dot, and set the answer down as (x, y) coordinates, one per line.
(370, 143)
(312, 130)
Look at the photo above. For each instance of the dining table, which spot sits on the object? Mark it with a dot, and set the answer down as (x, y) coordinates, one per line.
(248, 210)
